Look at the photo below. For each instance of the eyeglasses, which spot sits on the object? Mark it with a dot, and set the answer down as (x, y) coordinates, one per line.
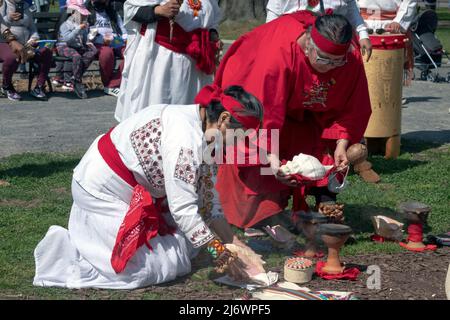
(325, 61)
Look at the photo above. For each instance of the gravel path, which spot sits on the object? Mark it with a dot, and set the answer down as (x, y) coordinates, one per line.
(68, 124)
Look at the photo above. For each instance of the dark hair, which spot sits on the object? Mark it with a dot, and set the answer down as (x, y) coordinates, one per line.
(335, 27)
(252, 106)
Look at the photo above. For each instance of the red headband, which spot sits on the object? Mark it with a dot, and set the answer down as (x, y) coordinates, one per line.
(326, 45)
(213, 92)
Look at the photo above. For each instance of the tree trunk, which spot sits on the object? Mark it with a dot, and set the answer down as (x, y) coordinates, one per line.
(238, 10)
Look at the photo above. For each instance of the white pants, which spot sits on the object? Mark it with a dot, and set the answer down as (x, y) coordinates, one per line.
(80, 257)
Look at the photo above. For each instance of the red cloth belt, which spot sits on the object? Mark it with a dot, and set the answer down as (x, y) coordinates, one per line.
(374, 14)
(143, 220)
(195, 44)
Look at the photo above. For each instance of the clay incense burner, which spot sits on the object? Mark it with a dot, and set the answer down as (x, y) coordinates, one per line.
(309, 221)
(416, 215)
(334, 237)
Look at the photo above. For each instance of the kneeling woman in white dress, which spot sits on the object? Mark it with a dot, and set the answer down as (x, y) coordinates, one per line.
(143, 201)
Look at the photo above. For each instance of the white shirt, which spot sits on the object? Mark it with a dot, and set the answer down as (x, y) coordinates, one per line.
(347, 8)
(406, 10)
(162, 146)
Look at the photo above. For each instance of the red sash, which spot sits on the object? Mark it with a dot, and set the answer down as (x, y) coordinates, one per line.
(195, 44)
(143, 220)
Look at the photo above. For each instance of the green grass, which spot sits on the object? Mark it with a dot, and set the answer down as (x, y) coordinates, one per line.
(38, 196)
(233, 30)
(443, 34)
(443, 14)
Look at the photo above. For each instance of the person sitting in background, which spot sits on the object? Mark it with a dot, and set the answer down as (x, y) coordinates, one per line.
(73, 43)
(107, 26)
(17, 18)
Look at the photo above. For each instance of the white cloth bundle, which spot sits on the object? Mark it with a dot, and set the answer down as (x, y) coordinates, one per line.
(307, 166)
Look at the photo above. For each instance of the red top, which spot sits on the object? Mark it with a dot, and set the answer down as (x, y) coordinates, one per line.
(269, 63)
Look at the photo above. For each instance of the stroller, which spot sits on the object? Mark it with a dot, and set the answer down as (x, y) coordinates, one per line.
(428, 50)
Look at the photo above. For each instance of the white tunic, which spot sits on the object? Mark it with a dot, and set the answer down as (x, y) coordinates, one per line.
(161, 146)
(406, 10)
(347, 8)
(153, 74)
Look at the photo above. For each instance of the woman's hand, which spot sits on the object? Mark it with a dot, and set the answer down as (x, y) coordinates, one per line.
(366, 48)
(340, 154)
(279, 175)
(168, 10)
(17, 49)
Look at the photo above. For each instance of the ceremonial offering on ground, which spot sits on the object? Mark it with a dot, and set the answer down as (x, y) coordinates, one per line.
(256, 272)
(334, 237)
(416, 215)
(333, 211)
(298, 270)
(309, 221)
(280, 237)
(387, 228)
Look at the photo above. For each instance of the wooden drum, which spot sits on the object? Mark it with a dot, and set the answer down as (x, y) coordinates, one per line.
(384, 74)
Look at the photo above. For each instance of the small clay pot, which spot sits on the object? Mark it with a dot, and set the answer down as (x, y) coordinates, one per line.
(334, 237)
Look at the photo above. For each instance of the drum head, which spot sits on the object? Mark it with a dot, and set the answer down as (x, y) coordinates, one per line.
(414, 207)
(334, 229)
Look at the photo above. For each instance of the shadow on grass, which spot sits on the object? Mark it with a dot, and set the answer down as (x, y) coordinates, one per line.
(418, 139)
(40, 170)
(412, 145)
(383, 166)
(358, 217)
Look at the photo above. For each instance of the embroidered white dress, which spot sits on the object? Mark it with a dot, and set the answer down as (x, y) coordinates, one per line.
(347, 8)
(406, 10)
(153, 74)
(162, 147)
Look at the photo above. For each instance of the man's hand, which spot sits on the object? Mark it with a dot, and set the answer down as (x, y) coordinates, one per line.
(83, 26)
(14, 16)
(366, 48)
(340, 154)
(168, 10)
(393, 27)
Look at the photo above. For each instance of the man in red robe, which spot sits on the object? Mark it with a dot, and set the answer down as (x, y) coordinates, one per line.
(309, 75)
